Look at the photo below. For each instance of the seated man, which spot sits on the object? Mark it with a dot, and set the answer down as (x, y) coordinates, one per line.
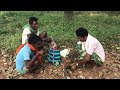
(27, 57)
(32, 28)
(90, 49)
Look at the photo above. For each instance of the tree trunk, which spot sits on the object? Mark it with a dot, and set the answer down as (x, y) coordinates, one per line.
(68, 15)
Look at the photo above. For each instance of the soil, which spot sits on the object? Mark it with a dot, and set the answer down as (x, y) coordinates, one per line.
(109, 70)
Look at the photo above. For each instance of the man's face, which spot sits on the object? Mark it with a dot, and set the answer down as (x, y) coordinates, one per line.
(34, 25)
(82, 39)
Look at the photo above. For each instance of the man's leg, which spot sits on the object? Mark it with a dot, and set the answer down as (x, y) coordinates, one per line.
(45, 37)
(97, 59)
(43, 34)
(35, 66)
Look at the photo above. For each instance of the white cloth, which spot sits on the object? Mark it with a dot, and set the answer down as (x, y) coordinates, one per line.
(64, 52)
(27, 31)
(92, 45)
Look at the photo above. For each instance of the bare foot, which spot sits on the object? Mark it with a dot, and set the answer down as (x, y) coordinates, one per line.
(74, 67)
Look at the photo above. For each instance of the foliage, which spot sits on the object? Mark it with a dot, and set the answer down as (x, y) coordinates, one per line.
(104, 27)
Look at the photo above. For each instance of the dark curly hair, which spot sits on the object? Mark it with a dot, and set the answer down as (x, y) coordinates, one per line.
(31, 19)
(34, 39)
(81, 32)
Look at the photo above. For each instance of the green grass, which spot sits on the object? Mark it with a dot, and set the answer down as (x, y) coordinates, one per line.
(104, 27)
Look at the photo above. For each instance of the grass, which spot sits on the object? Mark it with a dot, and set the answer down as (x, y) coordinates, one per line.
(103, 26)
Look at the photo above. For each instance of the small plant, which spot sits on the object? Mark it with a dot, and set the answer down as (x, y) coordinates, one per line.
(79, 48)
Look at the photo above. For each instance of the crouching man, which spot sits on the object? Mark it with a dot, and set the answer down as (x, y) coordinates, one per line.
(30, 56)
(90, 49)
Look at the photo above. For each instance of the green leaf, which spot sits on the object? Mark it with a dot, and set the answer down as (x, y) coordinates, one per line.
(118, 48)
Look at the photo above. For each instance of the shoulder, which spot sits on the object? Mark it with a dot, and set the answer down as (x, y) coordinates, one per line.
(26, 48)
(27, 29)
(93, 40)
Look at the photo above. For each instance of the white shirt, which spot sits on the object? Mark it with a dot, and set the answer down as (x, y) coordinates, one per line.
(27, 31)
(93, 45)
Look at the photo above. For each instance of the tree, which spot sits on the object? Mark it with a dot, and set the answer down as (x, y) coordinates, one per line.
(113, 12)
(68, 15)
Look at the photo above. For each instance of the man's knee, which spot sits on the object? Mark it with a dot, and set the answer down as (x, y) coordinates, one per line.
(37, 63)
(43, 34)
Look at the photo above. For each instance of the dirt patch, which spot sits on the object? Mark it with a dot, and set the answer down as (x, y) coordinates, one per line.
(109, 70)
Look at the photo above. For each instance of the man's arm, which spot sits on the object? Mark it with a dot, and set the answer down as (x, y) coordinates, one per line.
(89, 52)
(25, 35)
(28, 35)
(81, 62)
(26, 31)
(85, 59)
(31, 62)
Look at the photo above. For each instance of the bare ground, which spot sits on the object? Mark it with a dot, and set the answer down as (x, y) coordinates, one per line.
(109, 70)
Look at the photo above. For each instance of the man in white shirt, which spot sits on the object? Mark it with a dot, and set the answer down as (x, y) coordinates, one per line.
(32, 28)
(90, 48)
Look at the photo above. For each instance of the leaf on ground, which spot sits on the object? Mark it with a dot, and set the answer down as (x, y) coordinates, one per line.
(118, 48)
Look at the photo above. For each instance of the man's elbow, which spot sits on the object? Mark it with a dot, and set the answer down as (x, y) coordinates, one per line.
(28, 35)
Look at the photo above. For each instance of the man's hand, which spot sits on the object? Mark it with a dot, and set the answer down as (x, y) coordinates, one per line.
(81, 62)
(74, 67)
(41, 52)
(28, 35)
(53, 45)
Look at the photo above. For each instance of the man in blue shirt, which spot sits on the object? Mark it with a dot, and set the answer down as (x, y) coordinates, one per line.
(27, 57)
